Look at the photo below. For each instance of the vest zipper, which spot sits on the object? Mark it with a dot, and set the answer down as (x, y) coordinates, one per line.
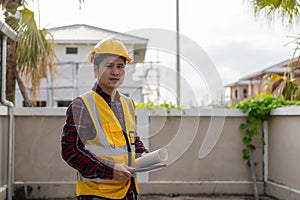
(128, 148)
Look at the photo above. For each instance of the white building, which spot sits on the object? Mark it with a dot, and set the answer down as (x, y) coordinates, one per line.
(75, 74)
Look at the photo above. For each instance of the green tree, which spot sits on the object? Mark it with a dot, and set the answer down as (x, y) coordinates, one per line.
(31, 57)
(286, 85)
(285, 10)
(288, 11)
(258, 110)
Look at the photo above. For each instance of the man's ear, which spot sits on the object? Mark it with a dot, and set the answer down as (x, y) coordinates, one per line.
(96, 71)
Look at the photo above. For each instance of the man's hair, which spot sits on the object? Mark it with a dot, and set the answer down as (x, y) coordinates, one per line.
(98, 58)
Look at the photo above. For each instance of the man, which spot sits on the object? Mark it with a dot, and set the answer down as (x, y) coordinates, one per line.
(99, 138)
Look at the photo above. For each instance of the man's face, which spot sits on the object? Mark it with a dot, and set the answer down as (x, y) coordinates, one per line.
(110, 73)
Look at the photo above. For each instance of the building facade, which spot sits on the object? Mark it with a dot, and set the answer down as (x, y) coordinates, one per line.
(75, 74)
(251, 85)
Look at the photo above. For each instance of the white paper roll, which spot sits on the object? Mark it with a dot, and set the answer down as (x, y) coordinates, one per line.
(152, 158)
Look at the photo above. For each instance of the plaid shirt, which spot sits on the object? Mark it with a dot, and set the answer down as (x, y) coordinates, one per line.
(73, 148)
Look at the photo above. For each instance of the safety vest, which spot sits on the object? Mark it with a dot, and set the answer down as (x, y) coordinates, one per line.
(111, 143)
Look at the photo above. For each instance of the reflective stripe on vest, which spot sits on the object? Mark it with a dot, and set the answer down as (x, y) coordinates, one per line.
(109, 143)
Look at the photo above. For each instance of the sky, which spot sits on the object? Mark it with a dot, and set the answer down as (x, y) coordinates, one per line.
(238, 43)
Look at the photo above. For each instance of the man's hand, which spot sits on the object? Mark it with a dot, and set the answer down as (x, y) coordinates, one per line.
(144, 153)
(122, 172)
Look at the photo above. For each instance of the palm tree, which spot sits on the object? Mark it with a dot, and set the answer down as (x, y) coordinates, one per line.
(31, 57)
(286, 10)
(35, 52)
(11, 49)
(286, 85)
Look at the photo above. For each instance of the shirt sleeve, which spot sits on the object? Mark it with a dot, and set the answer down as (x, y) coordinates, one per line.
(73, 149)
(139, 146)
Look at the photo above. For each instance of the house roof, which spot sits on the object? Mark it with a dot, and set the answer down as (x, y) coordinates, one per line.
(242, 83)
(278, 68)
(86, 34)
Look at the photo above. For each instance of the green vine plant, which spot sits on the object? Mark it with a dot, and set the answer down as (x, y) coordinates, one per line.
(258, 110)
(152, 105)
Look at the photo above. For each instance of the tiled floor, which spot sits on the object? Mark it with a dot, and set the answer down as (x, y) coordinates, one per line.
(182, 197)
(201, 197)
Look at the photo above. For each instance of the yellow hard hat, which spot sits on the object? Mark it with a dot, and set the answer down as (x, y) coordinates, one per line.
(110, 46)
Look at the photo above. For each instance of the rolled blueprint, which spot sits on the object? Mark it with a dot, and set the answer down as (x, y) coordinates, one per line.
(152, 158)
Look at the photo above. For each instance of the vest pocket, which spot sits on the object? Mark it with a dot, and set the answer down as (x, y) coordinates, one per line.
(114, 189)
(114, 134)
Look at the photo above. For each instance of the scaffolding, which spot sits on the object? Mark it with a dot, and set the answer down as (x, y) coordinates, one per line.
(150, 76)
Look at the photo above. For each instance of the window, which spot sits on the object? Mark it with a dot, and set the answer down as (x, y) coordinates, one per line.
(37, 103)
(245, 93)
(236, 93)
(71, 50)
(63, 103)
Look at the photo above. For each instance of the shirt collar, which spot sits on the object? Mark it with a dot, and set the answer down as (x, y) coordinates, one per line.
(106, 96)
